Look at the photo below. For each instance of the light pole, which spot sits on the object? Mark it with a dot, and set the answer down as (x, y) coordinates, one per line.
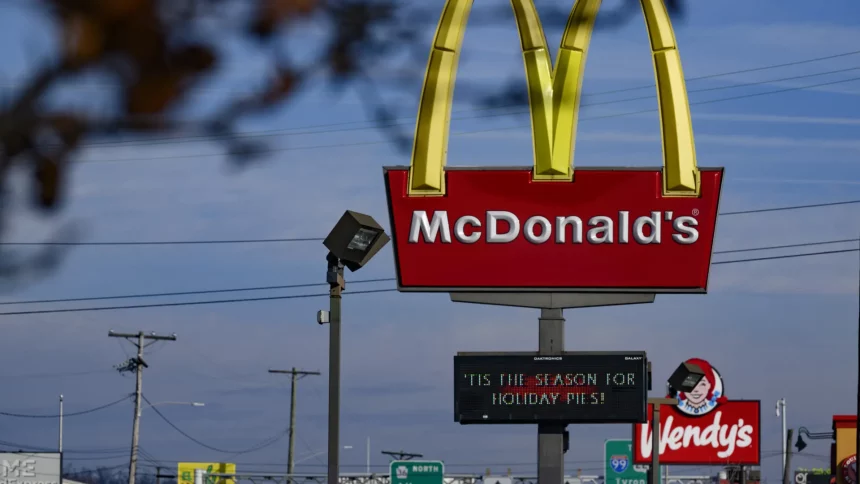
(60, 444)
(780, 411)
(684, 379)
(353, 241)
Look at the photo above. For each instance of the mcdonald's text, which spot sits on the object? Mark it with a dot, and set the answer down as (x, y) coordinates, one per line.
(730, 434)
(497, 229)
(539, 229)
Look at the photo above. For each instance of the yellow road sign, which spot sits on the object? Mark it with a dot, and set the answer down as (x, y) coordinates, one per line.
(185, 472)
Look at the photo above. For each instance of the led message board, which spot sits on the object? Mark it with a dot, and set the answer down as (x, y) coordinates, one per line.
(574, 387)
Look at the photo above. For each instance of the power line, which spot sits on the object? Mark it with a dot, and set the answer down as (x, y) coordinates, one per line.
(795, 207)
(788, 256)
(315, 239)
(73, 414)
(469, 132)
(362, 281)
(183, 303)
(787, 246)
(261, 445)
(371, 291)
(186, 293)
(34, 448)
(297, 131)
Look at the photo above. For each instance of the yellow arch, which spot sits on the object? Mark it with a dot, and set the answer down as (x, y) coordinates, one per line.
(554, 96)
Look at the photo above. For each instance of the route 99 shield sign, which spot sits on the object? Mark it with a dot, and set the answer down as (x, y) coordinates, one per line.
(574, 387)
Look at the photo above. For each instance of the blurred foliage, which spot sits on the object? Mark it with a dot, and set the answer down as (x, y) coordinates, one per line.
(147, 47)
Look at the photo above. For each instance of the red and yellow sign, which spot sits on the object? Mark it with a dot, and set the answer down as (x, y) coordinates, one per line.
(843, 451)
(704, 427)
(546, 227)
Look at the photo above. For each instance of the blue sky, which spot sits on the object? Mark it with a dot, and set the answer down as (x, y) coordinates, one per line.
(774, 329)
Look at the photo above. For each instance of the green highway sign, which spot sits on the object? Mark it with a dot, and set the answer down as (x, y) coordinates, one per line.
(417, 472)
(618, 464)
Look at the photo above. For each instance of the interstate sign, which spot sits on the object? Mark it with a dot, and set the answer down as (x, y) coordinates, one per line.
(618, 463)
(417, 472)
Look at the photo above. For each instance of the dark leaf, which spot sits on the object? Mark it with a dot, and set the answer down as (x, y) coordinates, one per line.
(196, 58)
(84, 39)
(284, 84)
(153, 94)
(48, 180)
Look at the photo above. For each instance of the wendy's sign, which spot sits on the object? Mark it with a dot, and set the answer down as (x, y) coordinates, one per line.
(704, 427)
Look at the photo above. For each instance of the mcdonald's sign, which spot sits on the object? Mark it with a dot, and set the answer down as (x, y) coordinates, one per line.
(547, 227)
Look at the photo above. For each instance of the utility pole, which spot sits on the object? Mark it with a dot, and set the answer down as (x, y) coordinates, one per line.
(137, 366)
(786, 474)
(402, 455)
(296, 375)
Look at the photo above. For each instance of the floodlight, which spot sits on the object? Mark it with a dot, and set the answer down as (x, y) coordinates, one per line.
(686, 377)
(800, 444)
(355, 239)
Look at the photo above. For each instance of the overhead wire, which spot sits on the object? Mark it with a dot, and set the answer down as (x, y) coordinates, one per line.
(70, 414)
(467, 132)
(370, 291)
(265, 443)
(360, 281)
(297, 130)
(317, 239)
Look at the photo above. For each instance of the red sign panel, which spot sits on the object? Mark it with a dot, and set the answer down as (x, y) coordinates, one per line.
(498, 230)
(729, 434)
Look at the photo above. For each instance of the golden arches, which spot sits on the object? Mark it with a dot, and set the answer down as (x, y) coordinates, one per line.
(554, 96)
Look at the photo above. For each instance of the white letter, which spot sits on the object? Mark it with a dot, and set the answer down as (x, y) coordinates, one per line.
(639, 229)
(744, 438)
(529, 232)
(728, 440)
(493, 235)
(645, 440)
(428, 229)
(460, 232)
(685, 225)
(576, 229)
(602, 234)
(623, 227)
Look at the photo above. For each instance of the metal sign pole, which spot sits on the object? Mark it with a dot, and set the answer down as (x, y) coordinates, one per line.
(551, 436)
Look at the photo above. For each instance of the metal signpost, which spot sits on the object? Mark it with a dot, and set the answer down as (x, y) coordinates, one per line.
(544, 236)
(618, 463)
(417, 472)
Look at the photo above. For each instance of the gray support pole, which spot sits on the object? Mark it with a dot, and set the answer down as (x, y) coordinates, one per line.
(550, 436)
(655, 444)
(786, 474)
(335, 295)
(60, 444)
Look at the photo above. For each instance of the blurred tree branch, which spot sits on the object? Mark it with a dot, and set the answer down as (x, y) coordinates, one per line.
(148, 48)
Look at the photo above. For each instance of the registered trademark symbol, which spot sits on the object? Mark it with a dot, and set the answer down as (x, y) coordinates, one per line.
(695, 212)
